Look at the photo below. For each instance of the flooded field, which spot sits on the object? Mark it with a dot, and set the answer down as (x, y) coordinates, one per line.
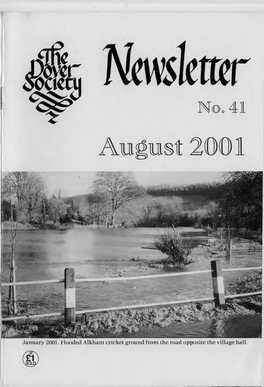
(44, 254)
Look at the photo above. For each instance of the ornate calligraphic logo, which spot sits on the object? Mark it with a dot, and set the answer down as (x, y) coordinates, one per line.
(51, 82)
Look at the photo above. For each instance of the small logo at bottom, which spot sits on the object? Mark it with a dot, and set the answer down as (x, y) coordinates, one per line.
(30, 358)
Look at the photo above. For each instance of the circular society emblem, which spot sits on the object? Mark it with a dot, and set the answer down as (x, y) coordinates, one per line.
(30, 358)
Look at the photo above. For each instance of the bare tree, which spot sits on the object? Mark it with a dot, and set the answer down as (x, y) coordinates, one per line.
(214, 214)
(22, 190)
(117, 189)
(97, 209)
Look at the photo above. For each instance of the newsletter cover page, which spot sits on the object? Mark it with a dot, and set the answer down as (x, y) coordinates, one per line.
(132, 192)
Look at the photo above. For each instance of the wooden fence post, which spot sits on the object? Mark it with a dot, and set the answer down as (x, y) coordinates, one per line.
(229, 248)
(218, 283)
(69, 285)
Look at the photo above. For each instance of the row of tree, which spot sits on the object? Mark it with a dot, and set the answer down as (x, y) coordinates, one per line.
(209, 190)
(239, 203)
(24, 201)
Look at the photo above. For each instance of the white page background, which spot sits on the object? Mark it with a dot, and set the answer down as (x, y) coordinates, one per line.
(131, 113)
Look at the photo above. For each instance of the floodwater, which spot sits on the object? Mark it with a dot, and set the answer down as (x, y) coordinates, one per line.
(44, 254)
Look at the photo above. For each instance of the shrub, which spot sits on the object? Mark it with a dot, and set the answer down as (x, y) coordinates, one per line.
(247, 284)
(171, 243)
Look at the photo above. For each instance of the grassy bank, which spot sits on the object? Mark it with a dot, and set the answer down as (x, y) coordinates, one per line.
(128, 321)
(121, 322)
(8, 225)
(135, 320)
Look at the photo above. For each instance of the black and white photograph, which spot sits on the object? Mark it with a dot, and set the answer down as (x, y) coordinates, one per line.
(131, 255)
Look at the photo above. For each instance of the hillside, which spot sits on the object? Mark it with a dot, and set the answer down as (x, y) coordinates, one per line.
(150, 210)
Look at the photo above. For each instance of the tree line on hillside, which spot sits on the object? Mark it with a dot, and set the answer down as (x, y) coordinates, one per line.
(238, 203)
(212, 191)
(159, 213)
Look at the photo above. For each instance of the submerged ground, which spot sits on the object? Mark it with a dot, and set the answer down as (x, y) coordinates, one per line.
(110, 253)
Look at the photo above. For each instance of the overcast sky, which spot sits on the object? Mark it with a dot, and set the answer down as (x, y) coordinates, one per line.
(78, 183)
